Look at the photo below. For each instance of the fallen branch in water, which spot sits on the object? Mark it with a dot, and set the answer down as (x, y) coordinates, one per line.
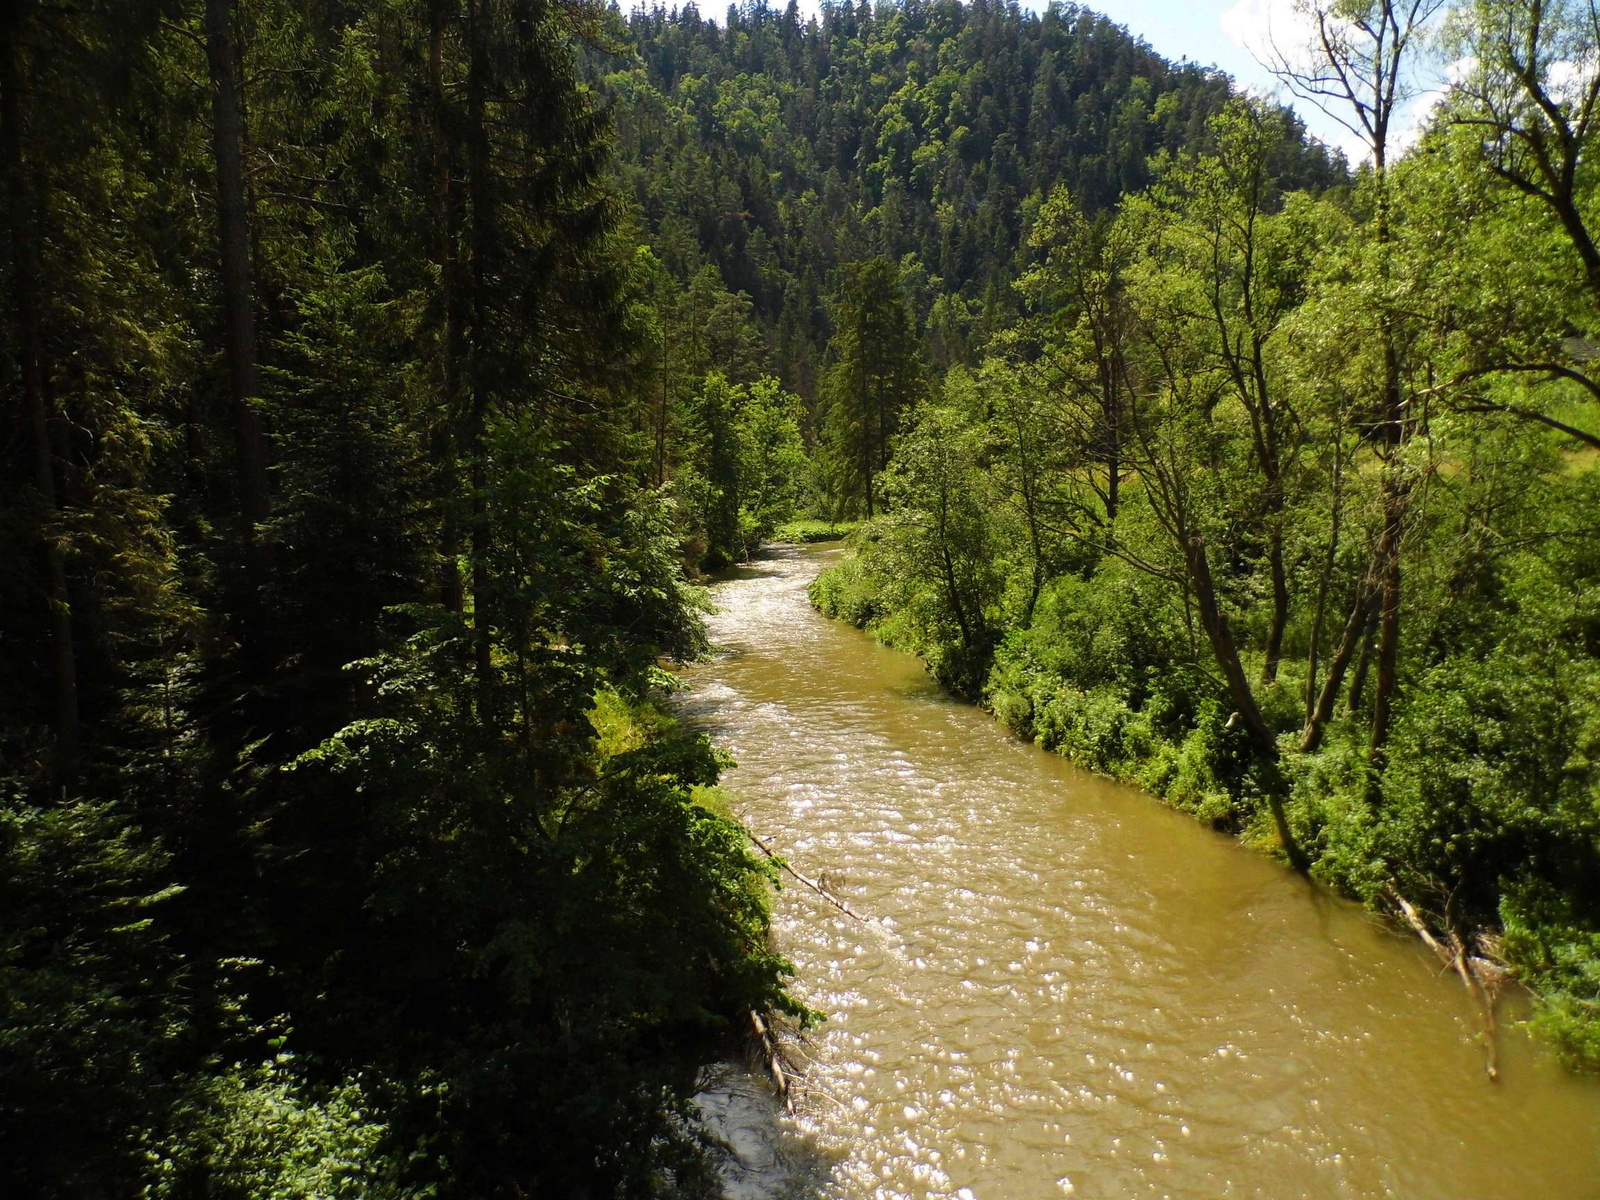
(813, 1093)
(1481, 976)
(814, 886)
(771, 1056)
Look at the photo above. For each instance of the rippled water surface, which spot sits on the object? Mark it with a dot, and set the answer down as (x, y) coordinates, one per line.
(1065, 988)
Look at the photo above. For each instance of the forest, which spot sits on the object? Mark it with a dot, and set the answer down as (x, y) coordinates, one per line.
(382, 380)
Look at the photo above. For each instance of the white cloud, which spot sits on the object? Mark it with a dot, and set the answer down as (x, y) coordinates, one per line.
(1272, 31)
(1278, 31)
(1268, 28)
(1567, 80)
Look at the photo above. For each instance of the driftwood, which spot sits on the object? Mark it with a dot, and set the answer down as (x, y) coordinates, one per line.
(765, 1047)
(1482, 976)
(812, 884)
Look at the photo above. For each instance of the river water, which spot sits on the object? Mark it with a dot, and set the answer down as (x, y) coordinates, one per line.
(1064, 988)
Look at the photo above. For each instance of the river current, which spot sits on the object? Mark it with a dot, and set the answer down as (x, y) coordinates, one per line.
(1062, 987)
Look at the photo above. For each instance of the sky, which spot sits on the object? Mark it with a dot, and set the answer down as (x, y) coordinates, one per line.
(1229, 34)
(1237, 35)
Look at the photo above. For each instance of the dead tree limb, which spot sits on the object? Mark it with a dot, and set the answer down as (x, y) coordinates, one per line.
(812, 884)
(1452, 952)
(771, 1056)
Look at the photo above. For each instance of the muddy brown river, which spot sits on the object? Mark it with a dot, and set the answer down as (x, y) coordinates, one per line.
(1064, 988)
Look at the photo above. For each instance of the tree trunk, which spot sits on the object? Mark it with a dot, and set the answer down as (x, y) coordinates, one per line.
(1561, 199)
(1036, 582)
(443, 441)
(1113, 486)
(955, 594)
(1323, 584)
(30, 343)
(1224, 649)
(1226, 652)
(1028, 482)
(868, 469)
(1396, 497)
(661, 413)
(482, 243)
(1358, 681)
(1317, 722)
(1395, 501)
(1250, 380)
(1280, 606)
(238, 283)
(1111, 412)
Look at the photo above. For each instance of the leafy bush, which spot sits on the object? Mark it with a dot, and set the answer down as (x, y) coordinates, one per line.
(1554, 939)
(602, 935)
(1207, 773)
(1493, 773)
(1106, 629)
(93, 1024)
(811, 530)
(263, 1133)
(846, 592)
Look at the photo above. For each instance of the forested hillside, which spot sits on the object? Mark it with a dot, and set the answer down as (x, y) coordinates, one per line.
(778, 149)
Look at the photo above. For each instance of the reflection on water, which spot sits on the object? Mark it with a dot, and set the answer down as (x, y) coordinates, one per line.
(1067, 989)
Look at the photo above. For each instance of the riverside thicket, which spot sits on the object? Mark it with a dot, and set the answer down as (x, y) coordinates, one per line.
(1282, 502)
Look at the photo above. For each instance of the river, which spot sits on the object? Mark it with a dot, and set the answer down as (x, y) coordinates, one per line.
(1064, 988)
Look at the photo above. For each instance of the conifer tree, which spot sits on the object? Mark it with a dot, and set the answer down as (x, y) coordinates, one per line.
(873, 379)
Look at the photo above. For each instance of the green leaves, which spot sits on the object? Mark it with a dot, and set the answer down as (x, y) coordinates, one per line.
(350, 755)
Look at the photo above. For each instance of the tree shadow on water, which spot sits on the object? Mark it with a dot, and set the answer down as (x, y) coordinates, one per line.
(763, 1155)
(754, 569)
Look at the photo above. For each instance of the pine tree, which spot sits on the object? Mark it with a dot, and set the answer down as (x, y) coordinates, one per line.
(874, 378)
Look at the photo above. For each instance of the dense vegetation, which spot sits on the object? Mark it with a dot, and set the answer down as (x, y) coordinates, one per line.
(770, 152)
(344, 846)
(1282, 502)
(378, 378)
(828, 201)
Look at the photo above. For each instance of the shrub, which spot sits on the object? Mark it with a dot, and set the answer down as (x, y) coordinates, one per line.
(846, 592)
(812, 530)
(1207, 769)
(264, 1133)
(1555, 946)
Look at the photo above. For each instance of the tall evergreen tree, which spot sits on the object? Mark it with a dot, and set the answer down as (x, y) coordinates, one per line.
(873, 379)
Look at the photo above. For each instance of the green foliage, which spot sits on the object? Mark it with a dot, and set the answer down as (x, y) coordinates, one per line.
(596, 930)
(345, 848)
(1556, 944)
(807, 530)
(778, 149)
(925, 577)
(264, 1133)
(846, 592)
(773, 466)
(873, 381)
(354, 457)
(95, 1021)
(745, 468)
(1106, 630)
(1281, 504)
(1094, 678)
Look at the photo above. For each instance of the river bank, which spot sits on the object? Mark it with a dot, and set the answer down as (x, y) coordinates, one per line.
(1464, 838)
(1060, 982)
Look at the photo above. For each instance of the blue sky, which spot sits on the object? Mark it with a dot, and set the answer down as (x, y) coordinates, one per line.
(1229, 34)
